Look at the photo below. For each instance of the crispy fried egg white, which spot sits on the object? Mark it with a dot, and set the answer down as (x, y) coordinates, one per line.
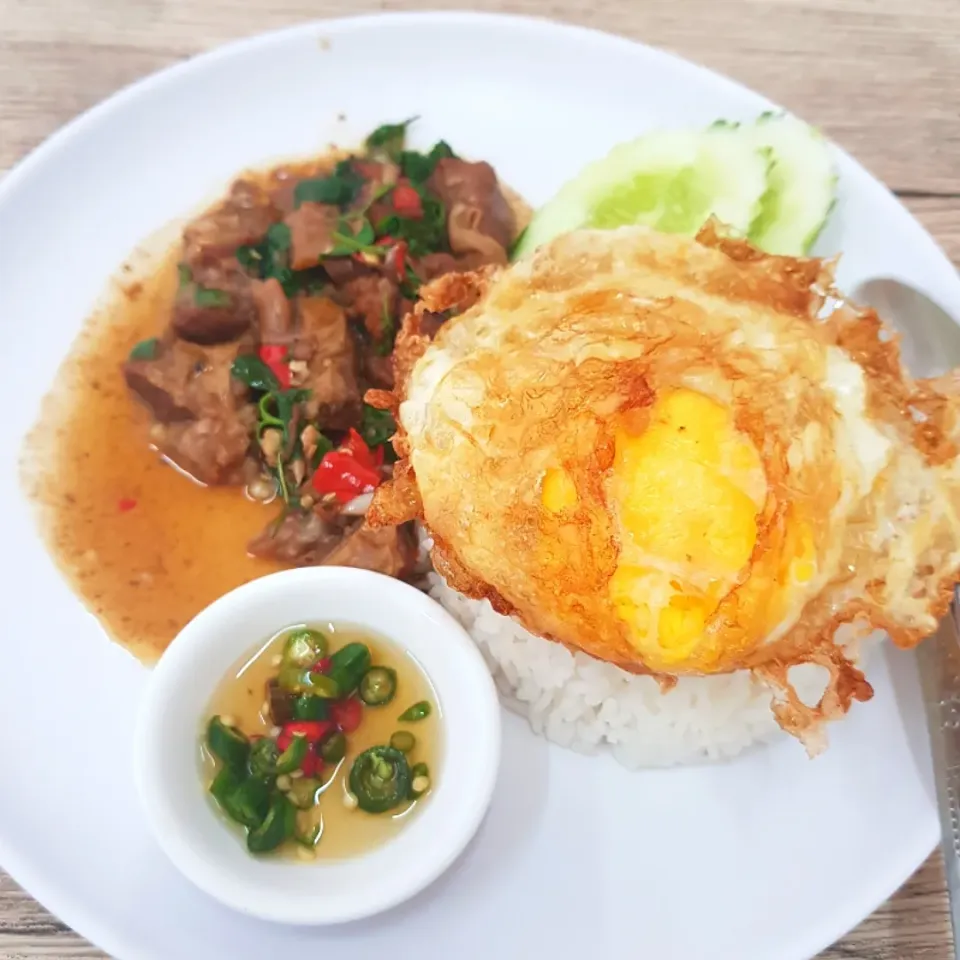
(680, 456)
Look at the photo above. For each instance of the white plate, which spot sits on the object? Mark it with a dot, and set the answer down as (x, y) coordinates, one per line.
(771, 857)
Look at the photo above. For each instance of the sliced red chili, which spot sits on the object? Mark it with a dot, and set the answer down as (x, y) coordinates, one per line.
(340, 474)
(313, 730)
(274, 355)
(357, 447)
(321, 666)
(312, 762)
(347, 714)
(407, 202)
(126, 504)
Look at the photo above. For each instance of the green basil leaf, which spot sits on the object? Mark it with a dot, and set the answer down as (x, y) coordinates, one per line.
(320, 190)
(427, 234)
(208, 297)
(417, 167)
(388, 138)
(376, 426)
(145, 349)
(340, 189)
(311, 282)
(252, 371)
(270, 257)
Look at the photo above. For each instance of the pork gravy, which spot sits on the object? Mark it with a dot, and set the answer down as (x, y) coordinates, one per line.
(145, 547)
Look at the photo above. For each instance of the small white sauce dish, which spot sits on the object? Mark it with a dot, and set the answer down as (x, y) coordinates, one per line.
(182, 817)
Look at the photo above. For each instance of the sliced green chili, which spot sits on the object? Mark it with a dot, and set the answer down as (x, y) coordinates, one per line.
(380, 779)
(278, 826)
(309, 707)
(292, 758)
(303, 793)
(404, 741)
(224, 783)
(378, 686)
(348, 665)
(419, 711)
(248, 803)
(227, 744)
(334, 748)
(418, 774)
(264, 755)
(299, 680)
(304, 647)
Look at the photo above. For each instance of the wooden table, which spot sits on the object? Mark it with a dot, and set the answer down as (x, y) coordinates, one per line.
(882, 77)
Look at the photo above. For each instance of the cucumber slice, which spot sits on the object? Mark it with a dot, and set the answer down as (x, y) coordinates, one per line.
(671, 180)
(801, 186)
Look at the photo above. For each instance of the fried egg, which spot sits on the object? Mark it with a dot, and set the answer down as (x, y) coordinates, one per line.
(679, 456)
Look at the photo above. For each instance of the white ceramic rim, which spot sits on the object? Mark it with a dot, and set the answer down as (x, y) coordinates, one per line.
(325, 892)
(62, 900)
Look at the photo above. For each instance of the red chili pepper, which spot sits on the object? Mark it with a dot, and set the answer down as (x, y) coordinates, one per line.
(347, 714)
(274, 355)
(341, 474)
(357, 447)
(126, 504)
(313, 730)
(321, 666)
(398, 258)
(312, 762)
(407, 202)
(385, 241)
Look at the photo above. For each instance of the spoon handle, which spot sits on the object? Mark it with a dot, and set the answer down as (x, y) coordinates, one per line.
(939, 660)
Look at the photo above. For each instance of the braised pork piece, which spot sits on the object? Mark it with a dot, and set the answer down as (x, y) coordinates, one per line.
(290, 293)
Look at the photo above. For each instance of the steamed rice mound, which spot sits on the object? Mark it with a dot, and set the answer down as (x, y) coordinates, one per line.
(677, 460)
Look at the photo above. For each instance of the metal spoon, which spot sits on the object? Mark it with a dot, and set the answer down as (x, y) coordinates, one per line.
(931, 338)
(930, 347)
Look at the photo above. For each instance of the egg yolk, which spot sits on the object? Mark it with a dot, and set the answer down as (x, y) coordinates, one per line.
(687, 489)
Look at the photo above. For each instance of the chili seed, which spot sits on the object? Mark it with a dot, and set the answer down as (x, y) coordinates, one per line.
(283, 782)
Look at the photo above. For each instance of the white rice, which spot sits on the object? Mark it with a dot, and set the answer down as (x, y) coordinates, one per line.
(590, 706)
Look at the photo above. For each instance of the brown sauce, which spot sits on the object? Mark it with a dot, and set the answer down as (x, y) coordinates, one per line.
(347, 831)
(145, 570)
(144, 547)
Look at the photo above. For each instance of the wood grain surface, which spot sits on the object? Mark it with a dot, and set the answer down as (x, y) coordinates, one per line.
(881, 77)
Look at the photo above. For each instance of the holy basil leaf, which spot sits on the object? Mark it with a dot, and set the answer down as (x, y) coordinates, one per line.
(208, 297)
(285, 401)
(366, 234)
(376, 426)
(426, 234)
(145, 349)
(340, 189)
(270, 257)
(252, 371)
(353, 235)
(311, 282)
(388, 139)
(417, 167)
(321, 190)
